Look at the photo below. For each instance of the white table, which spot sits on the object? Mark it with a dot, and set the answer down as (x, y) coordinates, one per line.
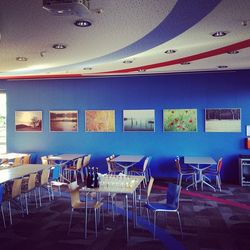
(127, 161)
(11, 156)
(65, 157)
(200, 163)
(129, 189)
(20, 171)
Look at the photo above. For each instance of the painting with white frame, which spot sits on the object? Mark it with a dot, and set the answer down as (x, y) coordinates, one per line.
(139, 120)
(223, 120)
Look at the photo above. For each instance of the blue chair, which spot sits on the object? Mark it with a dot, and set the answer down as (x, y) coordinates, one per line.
(171, 205)
(1, 202)
(55, 180)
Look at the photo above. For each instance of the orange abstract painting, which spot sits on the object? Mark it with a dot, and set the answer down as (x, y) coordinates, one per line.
(100, 121)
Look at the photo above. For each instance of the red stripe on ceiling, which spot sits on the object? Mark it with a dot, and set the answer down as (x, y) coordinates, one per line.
(215, 52)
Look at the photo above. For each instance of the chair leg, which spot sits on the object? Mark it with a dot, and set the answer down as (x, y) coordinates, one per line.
(218, 182)
(179, 218)
(70, 219)
(3, 217)
(40, 198)
(26, 203)
(95, 225)
(35, 198)
(180, 180)
(11, 222)
(148, 216)
(154, 223)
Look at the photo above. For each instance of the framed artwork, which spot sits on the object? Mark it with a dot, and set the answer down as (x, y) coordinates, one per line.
(100, 121)
(248, 130)
(180, 120)
(63, 121)
(223, 120)
(28, 121)
(139, 120)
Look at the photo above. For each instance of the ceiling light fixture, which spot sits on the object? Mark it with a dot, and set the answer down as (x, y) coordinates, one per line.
(170, 51)
(219, 33)
(128, 61)
(222, 66)
(87, 68)
(21, 58)
(82, 23)
(59, 46)
(233, 52)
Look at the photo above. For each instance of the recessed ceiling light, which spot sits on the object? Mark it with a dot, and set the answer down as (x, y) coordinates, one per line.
(128, 61)
(82, 23)
(219, 33)
(185, 63)
(21, 58)
(222, 66)
(87, 68)
(59, 46)
(233, 52)
(170, 51)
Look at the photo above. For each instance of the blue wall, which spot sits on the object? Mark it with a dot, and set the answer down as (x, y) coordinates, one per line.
(200, 91)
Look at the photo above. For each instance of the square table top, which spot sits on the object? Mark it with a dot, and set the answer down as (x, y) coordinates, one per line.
(20, 171)
(206, 160)
(11, 156)
(128, 158)
(133, 183)
(65, 157)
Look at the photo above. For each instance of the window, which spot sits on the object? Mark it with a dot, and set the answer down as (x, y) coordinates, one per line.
(2, 122)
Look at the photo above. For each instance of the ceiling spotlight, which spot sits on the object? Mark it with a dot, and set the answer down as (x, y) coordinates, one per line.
(128, 61)
(222, 66)
(99, 11)
(170, 51)
(233, 52)
(59, 46)
(82, 23)
(21, 59)
(244, 23)
(219, 33)
(185, 63)
(87, 68)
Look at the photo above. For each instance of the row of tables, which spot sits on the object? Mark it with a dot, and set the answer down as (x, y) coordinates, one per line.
(22, 170)
(125, 161)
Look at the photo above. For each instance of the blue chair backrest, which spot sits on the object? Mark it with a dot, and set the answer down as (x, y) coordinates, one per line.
(56, 172)
(1, 193)
(173, 195)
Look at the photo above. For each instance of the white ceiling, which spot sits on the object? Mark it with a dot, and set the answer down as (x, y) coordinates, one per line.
(136, 30)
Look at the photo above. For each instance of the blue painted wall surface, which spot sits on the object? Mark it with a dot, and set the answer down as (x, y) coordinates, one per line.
(200, 91)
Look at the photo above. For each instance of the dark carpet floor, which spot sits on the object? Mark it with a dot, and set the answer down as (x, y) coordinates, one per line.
(210, 221)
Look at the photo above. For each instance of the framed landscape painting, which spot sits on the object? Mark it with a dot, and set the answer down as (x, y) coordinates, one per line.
(100, 121)
(223, 120)
(63, 121)
(180, 120)
(28, 121)
(139, 120)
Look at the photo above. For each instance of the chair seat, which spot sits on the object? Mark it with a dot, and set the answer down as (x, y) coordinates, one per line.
(160, 207)
(70, 168)
(187, 171)
(90, 204)
(208, 171)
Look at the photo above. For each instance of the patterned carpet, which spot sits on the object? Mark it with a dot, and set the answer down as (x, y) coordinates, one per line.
(210, 221)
